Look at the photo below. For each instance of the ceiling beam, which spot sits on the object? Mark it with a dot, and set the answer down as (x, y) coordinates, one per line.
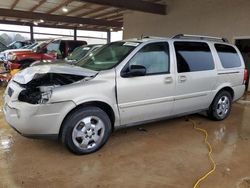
(106, 13)
(14, 4)
(65, 3)
(84, 6)
(38, 5)
(84, 27)
(113, 17)
(57, 18)
(137, 5)
(91, 11)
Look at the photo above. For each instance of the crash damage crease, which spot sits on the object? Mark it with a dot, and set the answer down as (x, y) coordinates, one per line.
(38, 82)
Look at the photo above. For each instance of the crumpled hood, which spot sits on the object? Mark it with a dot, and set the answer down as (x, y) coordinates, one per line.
(26, 75)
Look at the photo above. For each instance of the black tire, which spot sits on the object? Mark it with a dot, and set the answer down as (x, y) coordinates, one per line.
(213, 112)
(71, 123)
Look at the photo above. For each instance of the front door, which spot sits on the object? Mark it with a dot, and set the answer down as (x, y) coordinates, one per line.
(151, 96)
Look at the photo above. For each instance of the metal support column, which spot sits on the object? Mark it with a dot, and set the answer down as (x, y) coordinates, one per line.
(31, 33)
(75, 34)
(108, 36)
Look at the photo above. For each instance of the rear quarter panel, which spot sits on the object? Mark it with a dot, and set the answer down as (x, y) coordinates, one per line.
(229, 77)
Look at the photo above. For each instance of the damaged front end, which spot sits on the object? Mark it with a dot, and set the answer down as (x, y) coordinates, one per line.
(39, 82)
(39, 89)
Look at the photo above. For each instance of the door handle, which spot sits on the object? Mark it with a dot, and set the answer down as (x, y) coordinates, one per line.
(182, 78)
(168, 80)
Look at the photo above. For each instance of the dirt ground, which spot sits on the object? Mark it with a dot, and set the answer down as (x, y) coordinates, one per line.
(169, 154)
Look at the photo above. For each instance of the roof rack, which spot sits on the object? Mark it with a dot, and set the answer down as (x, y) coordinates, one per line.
(150, 37)
(185, 36)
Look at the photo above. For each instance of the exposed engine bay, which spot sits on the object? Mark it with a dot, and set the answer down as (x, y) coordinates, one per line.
(39, 89)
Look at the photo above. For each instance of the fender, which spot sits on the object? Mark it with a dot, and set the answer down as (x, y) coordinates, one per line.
(105, 100)
(220, 87)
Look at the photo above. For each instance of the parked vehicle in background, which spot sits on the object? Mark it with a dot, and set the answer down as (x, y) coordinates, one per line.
(3, 47)
(125, 83)
(4, 54)
(82, 52)
(78, 54)
(13, 46)
(55, 49)
(19, 44)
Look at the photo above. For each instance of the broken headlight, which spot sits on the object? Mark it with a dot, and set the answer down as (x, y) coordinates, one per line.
(45, 96)
(35, 96)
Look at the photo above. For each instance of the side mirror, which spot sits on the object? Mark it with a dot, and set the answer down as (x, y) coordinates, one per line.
(134, 70)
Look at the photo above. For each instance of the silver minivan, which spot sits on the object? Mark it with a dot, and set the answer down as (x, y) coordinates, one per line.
(122, 84)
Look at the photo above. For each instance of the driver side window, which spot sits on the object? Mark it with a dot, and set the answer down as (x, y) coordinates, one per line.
(154, 57)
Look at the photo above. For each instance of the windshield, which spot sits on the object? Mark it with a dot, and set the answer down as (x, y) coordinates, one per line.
(2, 47)
(26, 47)
(16, 45)
(32, 46)
(108, 56)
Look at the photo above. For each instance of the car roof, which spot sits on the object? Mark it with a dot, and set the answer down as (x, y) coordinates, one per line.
(146, 39)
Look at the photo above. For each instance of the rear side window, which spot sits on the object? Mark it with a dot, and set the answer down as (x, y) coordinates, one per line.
(193, 56)
(228, 56)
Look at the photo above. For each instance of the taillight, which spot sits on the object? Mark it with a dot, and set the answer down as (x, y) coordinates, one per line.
(245, 76)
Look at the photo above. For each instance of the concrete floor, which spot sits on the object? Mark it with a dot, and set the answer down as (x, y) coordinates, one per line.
(165, 154)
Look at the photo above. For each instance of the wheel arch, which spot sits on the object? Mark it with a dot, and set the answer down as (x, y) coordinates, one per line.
(223, 88)
(211, 109)
(228, 89)
(102, 105)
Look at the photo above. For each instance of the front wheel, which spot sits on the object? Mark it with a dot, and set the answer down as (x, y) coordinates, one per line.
(221, 106)
(86, 130)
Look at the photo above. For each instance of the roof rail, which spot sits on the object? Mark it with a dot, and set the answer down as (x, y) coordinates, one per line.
(185, 36)
(150, 37)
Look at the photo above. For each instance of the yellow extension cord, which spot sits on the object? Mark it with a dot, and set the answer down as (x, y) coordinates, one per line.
(209, 154)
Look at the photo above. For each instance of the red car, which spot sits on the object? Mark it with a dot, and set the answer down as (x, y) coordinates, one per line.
(55, 49)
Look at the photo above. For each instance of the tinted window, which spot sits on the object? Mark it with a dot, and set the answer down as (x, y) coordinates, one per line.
(193, 56)
(73, 44)
(228, 56)
(61, 53)
(154, 57)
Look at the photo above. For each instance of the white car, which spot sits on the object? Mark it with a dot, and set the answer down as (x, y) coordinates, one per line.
(125, 83)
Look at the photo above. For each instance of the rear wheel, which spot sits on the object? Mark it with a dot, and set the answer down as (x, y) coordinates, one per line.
(221, 106)
(86, 130)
